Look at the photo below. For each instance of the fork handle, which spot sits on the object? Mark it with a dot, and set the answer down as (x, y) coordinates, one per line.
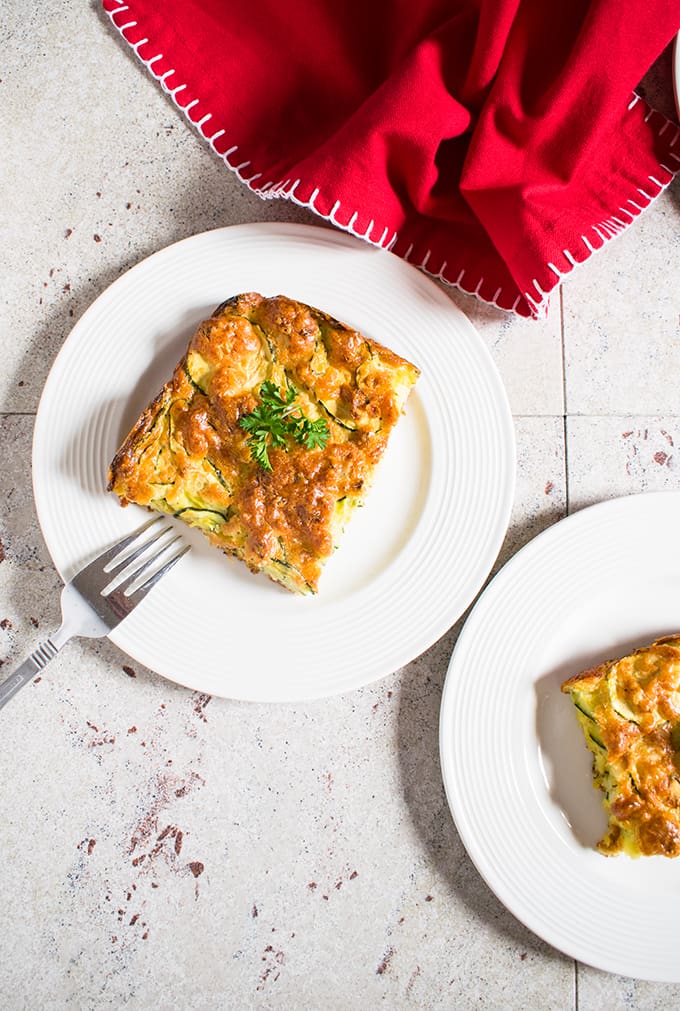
(38, 659)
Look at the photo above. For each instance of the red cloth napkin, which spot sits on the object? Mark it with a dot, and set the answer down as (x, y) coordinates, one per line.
(495, 143)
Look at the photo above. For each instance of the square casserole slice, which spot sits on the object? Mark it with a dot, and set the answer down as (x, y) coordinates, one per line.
(188, 455)
(629, 712)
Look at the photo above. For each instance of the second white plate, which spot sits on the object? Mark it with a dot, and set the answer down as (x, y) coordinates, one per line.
(517, 773)
(410, 561)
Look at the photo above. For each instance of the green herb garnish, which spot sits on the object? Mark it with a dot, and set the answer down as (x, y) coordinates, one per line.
(275, 419)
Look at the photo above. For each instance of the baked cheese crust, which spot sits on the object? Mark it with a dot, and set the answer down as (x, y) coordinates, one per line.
(188, 454)
(629, 711)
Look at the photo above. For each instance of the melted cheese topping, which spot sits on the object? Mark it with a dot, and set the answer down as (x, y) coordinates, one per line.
(187, 454)
(629, 711)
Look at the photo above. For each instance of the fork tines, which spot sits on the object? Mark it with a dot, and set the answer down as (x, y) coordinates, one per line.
(144, 559)
(115, 581)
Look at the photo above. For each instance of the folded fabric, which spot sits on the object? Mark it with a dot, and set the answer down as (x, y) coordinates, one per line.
(495, 143)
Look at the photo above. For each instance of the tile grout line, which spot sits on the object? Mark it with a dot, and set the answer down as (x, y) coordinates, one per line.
(564, 354)
(565, 417)
(564, 403)
(566, 464)
(621, 415)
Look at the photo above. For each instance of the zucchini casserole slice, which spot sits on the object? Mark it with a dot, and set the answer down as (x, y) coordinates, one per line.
(268, 434)
(629, 712)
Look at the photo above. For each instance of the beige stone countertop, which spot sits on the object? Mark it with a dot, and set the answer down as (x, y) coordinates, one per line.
(165, 849)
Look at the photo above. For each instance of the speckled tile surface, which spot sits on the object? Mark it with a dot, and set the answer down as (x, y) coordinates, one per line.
(621, 456)
(621, 320)
(162, 848)
(598, 990)
(165, 848)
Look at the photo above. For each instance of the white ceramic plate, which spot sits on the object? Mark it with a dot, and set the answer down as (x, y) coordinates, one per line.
(517, 773)
(410, 561)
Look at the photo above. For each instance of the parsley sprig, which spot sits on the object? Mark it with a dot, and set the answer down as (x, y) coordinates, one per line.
(275, 420)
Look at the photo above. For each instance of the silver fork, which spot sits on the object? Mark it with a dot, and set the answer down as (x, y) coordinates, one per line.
(97, 599)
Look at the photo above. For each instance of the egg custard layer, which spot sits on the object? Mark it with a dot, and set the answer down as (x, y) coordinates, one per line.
(272, 485)
(629, 712)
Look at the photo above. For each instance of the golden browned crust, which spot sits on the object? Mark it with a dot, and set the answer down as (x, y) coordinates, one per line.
(629, 711)
(188, 454)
